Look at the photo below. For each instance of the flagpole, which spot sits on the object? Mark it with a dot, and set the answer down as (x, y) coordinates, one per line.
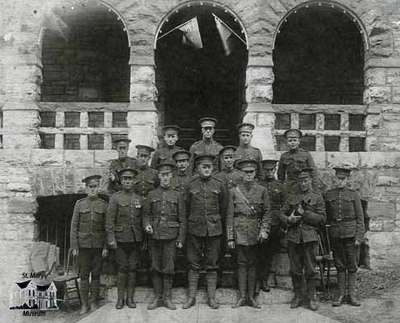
(220, 20)
(177, 27)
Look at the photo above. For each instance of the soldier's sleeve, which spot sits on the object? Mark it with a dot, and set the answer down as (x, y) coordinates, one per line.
(259, 159)
(154, 160)
(284, 213)
(364, 204)
(281, 169)
(360, 229)
(267, 216)
(311, 164)
(182, 218)
(186, 198)
(113, 171)
(191, 160)
(315, 215)
(224, 199)
(73, 240)
(110, 219)
(147, 210)
(229, 216)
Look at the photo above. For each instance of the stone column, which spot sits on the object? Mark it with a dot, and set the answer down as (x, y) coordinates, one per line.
(142, 114)
(259, 79)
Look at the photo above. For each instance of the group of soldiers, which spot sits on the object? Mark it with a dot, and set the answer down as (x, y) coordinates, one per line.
(207, 200)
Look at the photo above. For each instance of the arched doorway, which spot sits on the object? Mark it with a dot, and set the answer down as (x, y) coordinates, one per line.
(194, 82)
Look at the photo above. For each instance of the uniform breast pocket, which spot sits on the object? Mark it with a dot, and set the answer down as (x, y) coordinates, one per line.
(119, 228)
(348, 207)
(84, 216)
(123, 208)
(172, 206)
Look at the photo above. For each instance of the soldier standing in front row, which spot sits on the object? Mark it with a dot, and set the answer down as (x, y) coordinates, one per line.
(182, 175)
(303, 213)
(125, 234)
(88, 240)
(206, 200)
(146, 178)
(345, 216)
(248, 223)
(229, 173)
(165, 221)
(168, 147)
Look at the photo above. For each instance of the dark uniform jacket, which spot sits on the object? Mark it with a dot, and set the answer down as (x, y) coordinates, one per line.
(249, 153)
(117, 165)
(245, 219)
(88, 224)
(276, 198)
(145, 181)
(163, 153)
(314, 216)
(164, 210)
(202, 148)
(179, 180)
(344, 213)
(231, 177)
(124, 218)
(206, 203)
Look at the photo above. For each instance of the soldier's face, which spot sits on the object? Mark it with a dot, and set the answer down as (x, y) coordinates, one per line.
(305, 184)
(208, 132)
(342, 180)
(143, 158)
(165, 178)
(293, 142)
(228, 161)
(127, 182)
(122, 149)
(245, 138)
(182, 165)
(205, 170)
(171, 138)
(269, 173)
(249, 174)
(92, 188)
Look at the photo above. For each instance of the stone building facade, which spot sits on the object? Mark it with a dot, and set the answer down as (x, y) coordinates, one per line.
(58, 119)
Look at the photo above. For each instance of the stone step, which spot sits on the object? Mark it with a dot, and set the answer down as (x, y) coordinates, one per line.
(223, 295)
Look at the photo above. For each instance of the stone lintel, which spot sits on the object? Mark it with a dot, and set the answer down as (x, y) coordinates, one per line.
(142, 60)
(382, 62)
(20, 105)
(260, 61)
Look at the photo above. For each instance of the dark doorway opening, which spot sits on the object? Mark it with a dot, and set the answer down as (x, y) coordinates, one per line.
(319, 58)
(198, 82)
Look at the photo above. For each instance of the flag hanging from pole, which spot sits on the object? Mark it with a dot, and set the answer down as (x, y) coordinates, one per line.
(191, 33)
(225, 32)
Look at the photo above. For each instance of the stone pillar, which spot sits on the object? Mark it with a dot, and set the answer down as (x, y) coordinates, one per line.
(259, 79)
(142, 114)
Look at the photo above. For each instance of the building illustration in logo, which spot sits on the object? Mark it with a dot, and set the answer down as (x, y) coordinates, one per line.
(31, 294)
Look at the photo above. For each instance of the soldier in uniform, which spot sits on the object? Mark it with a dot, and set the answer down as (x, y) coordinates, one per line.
(165, 221)
(248, 223)
(125, 234)
(182, 174)
(88, 240)
(206, 200)
(123, 161)
(245, 149)
(207, 145)
(272, 245)
(303, 213)
(168, 147)
(146, 179)
(294, 160)
(229, 173)
(345, 217)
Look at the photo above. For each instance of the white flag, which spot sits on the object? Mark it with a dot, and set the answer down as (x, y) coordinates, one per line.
(191, 33)
(52, 21)
(224, 33)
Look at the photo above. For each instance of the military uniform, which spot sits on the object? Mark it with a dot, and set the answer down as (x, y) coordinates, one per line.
(202, 147)
(231, 177)
(115, 167)
(249, 152)
(163, 154)
(345, 217)
(145, 181)
(180, 180)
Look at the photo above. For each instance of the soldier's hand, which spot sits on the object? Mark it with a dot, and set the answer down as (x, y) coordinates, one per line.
(113, 245)
(112, 177)
(293, 219)
(231, 244)
(149, 229)
(179, 245)
(104, 253)
(75, 252)
(300, 209)
(263, 236)
(357, 243)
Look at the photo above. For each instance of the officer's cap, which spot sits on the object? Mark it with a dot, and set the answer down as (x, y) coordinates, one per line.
(245, 127)
(207, 122)
(90, 178)
(293, 133)
(344, 169)
(181, 155)
(227, 151)
(166, 166)
(127, 172)
(246, 164)
(204, 159)
(305, 173)
(171, 128)
(269, 163)
(145, 148)
(117, 141)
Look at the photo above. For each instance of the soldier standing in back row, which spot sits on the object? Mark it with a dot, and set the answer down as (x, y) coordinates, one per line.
(207, 145)
(88, 240)
(168, 147)
(229, 173)
(125, 234)
(248, 223)
(206, 200)
(182, 175)
(165, 221)
(303, 213)
(146, 178)
(345, 217)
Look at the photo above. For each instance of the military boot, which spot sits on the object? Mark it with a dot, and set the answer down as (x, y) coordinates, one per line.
(341, 278)
(94, 294)
(157, 286)
(121, 283)
(242, 282)
(193, 278)
(352, 300)
(167, 292)
(84, 292)
(211, 288)
(311, 292)
(296, 300)
(131, 290)
(251, 285)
